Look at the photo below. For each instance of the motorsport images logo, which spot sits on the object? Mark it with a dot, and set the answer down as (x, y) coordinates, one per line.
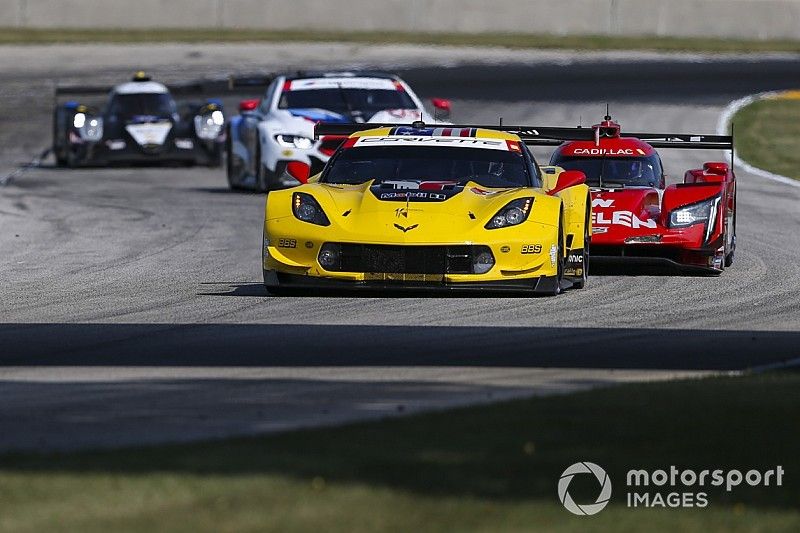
(665, 488)
(586, 508)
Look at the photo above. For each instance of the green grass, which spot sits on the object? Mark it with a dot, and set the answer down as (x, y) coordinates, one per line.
(483, 469)
(597, 42)
(768, 135)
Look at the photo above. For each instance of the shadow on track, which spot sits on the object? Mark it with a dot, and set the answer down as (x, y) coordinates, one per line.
(273, 345)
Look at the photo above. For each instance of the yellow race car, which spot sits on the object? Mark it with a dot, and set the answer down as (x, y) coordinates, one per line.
(429, 208)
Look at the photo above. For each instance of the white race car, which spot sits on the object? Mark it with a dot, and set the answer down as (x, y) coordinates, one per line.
(270, 144)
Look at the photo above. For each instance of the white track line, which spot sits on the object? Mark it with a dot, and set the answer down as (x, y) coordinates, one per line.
(723, 125)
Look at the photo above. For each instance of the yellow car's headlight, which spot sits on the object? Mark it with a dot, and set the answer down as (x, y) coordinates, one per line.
(514, 213)
(307, 209)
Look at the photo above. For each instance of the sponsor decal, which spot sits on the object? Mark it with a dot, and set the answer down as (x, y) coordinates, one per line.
(309, 244)
(622, 218)
(575, 258)
(287, 243)
(344, 83)
(412, 195)
(505, 249)
(481, 192)
(603, 151)
(421, 140)
(404, 211)
(153, 134)
(531, 248)
(599, 230)
(599, 202)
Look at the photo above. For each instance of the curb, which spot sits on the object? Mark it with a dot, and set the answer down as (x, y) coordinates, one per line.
(723, 125)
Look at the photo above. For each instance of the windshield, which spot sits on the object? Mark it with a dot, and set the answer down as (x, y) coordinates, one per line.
(489, 168)
(601, 171)
(344, 100)
(127, 106)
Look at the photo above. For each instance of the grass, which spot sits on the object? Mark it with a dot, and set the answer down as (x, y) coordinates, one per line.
(480, 469)
(596, 42)
(768, 135)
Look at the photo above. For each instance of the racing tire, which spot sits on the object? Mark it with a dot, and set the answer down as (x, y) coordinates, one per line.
(560, 270)
(61, 162)
(581, 283)
(730, 255)
(262, 174)
(229, 165)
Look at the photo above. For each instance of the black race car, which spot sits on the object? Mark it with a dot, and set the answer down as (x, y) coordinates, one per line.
(141, 123)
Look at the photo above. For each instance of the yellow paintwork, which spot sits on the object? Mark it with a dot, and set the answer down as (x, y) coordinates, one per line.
(372, 221)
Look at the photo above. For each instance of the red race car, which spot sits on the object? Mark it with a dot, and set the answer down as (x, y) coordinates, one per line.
(636, 218)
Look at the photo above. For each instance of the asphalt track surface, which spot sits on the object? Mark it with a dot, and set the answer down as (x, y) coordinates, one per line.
(132, 309)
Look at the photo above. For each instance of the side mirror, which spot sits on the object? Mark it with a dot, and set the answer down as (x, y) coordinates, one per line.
(567, 179)
(716, 168)
(248, 105)
(441, 108)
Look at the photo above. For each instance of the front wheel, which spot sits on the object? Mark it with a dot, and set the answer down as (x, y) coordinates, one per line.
(581, 283)
(560, 259)
(230, 169)
(729, 256)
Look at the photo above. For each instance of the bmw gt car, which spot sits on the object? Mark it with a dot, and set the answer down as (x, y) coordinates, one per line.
(271, 144)
(429, 208)
(141, 123)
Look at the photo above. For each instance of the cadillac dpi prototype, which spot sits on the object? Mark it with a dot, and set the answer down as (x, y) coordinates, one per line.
(271, 144)
(636, 217)
(456, 207)
(141, 123)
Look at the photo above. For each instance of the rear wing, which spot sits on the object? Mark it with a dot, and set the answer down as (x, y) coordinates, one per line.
(250, 81)
(549, 136)
(202, 87)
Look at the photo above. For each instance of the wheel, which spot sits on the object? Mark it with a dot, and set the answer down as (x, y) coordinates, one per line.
(262, 183)
(729, 256)
(229, 169)
(560, 254)
(581, 283)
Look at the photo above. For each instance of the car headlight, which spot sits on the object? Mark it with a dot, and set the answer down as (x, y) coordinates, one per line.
(79, 120)
(482, 260)
(209, 126)
(294, 141)
(306, 208)
(90, 128)
(515, 212)
(704, 211)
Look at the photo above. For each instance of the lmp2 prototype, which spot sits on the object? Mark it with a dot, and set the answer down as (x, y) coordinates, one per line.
(271, 144)
(637, 217)
(141, 123)
(429, 207)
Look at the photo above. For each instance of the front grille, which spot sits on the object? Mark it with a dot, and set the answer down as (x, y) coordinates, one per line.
(408, 259)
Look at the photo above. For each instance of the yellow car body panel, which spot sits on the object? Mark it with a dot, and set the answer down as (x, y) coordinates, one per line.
(523, 254)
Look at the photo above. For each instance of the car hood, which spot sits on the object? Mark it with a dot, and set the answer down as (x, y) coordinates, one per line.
(431, 214)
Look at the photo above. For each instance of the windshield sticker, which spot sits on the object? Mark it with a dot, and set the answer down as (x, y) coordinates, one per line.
(344, 83)
(461, 142)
